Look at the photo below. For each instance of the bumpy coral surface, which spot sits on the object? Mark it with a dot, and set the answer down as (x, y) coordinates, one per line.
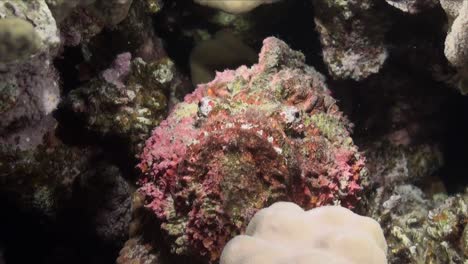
(38, 14)
(456, 43)
(234, 6)
(127, 100)
(412, 6)
(243, 141)
(352, 34)
(18, 39)
(422, 230)
(41, 180)
(29, 88)
(391, 165)
(329, 234)
(136, 251)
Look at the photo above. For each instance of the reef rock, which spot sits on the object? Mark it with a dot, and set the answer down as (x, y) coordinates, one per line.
(352, 36)
(421, 229)
(136, 251)
(249, 138)
(234, 6)
(456, 43)
(127, 100)
(80, 20)
(29, 89)
(412, 6)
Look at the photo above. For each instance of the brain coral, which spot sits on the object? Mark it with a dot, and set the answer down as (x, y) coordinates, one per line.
(329, 234)
(243, 141)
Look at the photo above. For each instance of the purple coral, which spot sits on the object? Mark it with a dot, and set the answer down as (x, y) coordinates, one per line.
(243, 141)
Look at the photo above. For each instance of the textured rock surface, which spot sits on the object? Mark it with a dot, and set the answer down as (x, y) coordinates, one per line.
(41, 180)
(128, 99)
(352, 36)
(29, 86)
(80, 20)
(420, 229)
(412, 6)
(39, 15)
(136, 251)
(105, 197)
(19, 39)
(391, 165)
(248, 138)
(456, 43)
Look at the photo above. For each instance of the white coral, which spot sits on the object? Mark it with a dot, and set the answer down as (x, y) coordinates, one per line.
(456, 43)
(234, 6)
(284, 233)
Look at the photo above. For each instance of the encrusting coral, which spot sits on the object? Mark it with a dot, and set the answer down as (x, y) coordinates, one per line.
(130, 96)
(243, 141)
(412, 6)
(234, 6)
(352, 37)
(29, 88)
(420, 229)
(328, 234)
(456, 43)
(18, 39)
(128, 99)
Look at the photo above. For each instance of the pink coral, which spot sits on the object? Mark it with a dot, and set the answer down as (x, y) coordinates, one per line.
(243, 141)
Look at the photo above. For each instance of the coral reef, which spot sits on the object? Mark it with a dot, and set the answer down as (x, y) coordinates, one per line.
(38, 172)
(41, 180)
(84, 82)
(128, 99)
(105, 198)
(329, 234)
(352, 36)
(136, 251)
(248, 138)
(29, 86)
(54, 177)
(19, 39)
(80, 20)
(456, 43)
(37, 14)
(234, 6)
(412, 6)
(131, 96)
(420, 229)
(392, 165)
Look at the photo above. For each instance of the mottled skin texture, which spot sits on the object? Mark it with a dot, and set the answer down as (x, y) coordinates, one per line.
(243, 141)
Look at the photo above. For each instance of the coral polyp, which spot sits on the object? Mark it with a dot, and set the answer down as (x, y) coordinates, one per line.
(248, 138)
